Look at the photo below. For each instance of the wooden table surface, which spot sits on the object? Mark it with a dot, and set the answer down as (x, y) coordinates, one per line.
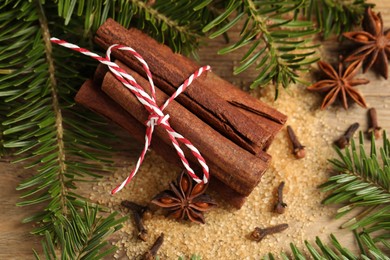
(17, 243)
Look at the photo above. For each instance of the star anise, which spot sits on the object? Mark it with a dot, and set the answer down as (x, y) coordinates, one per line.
(185, 199)
(340, 83)
(374, 41)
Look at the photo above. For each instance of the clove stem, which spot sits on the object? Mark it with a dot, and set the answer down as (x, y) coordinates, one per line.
(152, 252)
(142, 231)
(280, 206)
(298, 148)
(374, 128)
(259, 233)
(343, 141)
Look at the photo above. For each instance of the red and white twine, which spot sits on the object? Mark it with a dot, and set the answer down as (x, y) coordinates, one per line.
(156, 115)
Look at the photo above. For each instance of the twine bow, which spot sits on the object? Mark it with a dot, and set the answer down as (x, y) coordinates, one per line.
(156, 115)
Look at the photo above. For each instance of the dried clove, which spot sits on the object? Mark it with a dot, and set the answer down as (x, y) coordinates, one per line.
(152, 252)
(343, 141)
(374, 128)
(140, 213)
(298, 148)
(280, 206)
(142, 231)
(135, 207)
(259, 233)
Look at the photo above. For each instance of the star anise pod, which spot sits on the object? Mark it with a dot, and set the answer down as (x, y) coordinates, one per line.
(340, 83)
(374, 41)
(185, 199)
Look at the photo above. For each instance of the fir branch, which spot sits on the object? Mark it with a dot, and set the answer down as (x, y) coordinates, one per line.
(90, 230)
(320, 251)
(277, 46)
(362, 182)
(58, 125)
(333, 17)
(42, 124)
(176, 23)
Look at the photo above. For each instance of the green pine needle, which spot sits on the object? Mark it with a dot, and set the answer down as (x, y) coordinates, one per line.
(362, 184)
(333, 17)
(176, 23)
(81, 235)
(320, 251)
(278, 47)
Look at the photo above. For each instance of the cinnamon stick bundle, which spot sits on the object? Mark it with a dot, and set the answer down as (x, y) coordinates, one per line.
(214, 100)
(230, 128)
(241, 170)
(91, 96)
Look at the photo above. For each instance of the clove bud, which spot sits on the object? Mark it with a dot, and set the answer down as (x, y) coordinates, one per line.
(140, 213)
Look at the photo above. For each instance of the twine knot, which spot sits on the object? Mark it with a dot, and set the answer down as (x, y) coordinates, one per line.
(156, 120)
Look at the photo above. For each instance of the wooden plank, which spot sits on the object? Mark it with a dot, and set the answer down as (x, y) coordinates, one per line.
(15, 240)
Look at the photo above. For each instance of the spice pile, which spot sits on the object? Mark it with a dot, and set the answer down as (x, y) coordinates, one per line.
(228, 233)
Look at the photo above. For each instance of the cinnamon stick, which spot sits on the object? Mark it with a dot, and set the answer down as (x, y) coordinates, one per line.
(91, 96)
(253, 129)
(242, 169)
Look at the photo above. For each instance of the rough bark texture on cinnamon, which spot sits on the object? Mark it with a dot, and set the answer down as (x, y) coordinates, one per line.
(242, 170)
(91, 96)
(253, 126)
